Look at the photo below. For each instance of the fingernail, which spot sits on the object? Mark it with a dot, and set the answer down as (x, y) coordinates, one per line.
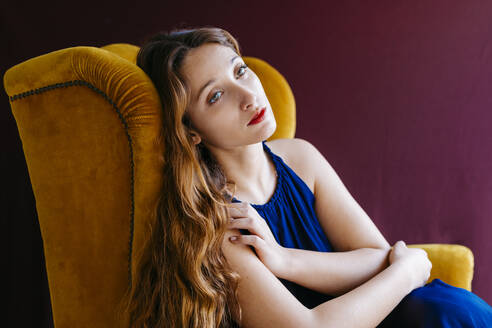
(233, 238)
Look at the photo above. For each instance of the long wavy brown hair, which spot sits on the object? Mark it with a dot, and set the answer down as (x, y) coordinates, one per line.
(183, 278)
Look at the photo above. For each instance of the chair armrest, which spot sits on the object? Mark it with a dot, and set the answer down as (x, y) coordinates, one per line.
(451, 263)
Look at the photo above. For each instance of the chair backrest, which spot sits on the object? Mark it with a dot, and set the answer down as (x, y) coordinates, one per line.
(88, 119)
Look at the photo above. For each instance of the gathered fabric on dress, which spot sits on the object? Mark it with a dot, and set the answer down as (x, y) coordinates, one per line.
(292, 219)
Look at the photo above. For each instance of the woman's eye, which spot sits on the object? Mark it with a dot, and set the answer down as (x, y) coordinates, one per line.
(243, 67)
(214, 99)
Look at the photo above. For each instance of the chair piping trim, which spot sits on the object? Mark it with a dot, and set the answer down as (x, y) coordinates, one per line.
(112, 103)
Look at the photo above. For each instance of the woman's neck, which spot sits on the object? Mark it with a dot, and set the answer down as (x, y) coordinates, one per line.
(251, 169)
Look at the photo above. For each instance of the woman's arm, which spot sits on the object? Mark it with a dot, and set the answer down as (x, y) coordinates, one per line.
(265, 302)
(380, 290)
(333, 273)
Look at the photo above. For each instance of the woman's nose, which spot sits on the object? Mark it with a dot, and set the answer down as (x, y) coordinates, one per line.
(248, 99)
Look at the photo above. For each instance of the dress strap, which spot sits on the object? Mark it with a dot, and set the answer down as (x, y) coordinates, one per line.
(279, 162)
(269, 151)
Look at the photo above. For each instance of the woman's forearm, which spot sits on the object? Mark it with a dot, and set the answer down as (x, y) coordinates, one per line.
(366, 305)
(334, 273)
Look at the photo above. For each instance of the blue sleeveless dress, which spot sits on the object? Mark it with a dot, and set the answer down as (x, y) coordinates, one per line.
(292, 219)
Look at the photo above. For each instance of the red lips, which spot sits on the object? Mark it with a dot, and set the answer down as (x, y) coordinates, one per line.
(258, 116)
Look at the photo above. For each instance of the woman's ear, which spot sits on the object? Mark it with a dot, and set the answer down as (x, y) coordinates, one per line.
(196, 138)
(191, 130)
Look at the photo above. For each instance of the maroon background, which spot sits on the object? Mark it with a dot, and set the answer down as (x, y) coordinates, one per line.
(395, 94)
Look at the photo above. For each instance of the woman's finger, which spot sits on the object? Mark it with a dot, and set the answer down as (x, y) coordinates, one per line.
(238, 209)
(247, 223)
(252, 240)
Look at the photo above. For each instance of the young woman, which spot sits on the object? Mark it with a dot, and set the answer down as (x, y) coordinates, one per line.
(264, 234)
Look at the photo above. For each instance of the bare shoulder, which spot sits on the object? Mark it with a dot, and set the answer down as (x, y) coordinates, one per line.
(293, 148)
(296, 153)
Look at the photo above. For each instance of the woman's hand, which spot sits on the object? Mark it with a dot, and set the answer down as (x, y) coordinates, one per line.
(415, 260)
(244, 216)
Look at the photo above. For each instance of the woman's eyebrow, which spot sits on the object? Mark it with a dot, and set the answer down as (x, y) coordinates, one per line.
(212, 80)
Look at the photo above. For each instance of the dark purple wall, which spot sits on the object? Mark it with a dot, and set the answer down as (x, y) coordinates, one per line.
(395, 94)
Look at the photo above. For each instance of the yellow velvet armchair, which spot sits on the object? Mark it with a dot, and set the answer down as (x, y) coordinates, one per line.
(88, 119)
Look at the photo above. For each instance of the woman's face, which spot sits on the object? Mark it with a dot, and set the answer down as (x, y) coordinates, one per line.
(225, 96)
